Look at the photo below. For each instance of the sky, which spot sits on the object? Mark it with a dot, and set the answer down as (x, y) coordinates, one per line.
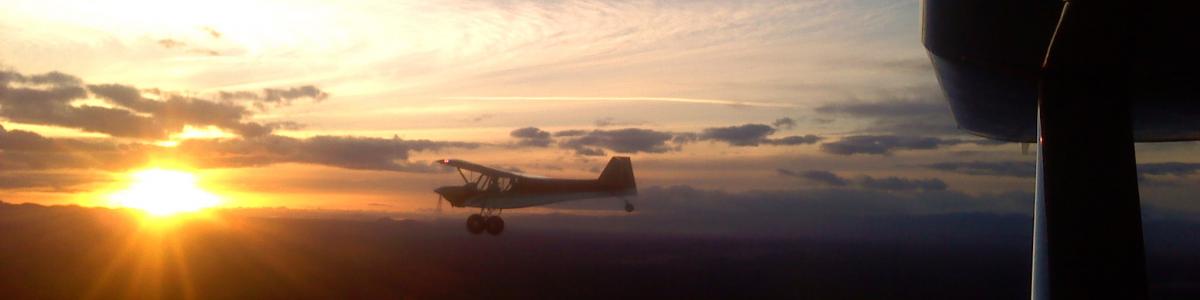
(735, 110)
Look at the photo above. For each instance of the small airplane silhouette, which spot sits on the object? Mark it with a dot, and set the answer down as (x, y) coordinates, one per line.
(493, 190)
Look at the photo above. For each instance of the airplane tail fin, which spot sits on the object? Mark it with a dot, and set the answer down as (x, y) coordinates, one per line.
(619, 174)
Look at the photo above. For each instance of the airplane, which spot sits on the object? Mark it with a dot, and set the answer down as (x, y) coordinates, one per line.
(493, 190)
(1085, 80)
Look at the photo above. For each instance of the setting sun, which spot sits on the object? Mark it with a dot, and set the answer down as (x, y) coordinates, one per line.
(164, 192)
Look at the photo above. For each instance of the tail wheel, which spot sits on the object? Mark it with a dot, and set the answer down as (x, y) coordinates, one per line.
(476, 224)
(495, 225)
(628, 207)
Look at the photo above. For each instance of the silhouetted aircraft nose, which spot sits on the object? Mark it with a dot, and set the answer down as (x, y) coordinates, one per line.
(445, 191)
(451, 193)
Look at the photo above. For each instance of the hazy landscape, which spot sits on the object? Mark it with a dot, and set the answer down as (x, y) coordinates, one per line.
(74, 252)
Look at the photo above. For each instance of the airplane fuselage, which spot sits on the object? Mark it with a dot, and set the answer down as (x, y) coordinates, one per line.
(493, 190)
(526, 192)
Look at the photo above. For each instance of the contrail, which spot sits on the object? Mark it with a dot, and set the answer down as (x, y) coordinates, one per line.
(657, 99)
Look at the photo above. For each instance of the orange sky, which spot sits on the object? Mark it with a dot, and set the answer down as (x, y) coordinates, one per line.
(342, 104)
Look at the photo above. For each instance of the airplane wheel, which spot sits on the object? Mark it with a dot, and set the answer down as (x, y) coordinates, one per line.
(495, 225)
(475, 224)
(628, 207)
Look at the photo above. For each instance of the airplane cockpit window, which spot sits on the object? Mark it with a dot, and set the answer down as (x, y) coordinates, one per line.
(505, 183)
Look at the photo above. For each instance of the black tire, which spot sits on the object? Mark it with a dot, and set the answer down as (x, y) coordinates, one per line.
(495, 225)
(476, 224)
(628, 207)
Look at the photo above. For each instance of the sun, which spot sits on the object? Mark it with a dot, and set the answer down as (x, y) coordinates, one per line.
(162, 192)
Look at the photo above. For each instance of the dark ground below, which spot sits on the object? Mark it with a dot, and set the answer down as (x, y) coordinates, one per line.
(72, 253)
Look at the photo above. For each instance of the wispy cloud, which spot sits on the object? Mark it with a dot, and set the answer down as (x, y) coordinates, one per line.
(625, 99)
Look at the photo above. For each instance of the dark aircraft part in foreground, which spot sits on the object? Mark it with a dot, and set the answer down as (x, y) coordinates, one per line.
(493, 190)
(989, 54)
(1084, 79)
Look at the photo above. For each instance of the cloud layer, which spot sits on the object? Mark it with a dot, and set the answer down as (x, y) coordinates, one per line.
(888, 144)
(891, 183)
(598, 142)
(24, 150)
(58, 99)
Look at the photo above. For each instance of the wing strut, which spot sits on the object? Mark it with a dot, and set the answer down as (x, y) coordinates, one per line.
(1087, 218)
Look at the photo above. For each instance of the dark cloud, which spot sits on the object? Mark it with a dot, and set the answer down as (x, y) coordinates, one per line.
(748, 135)
(45, 99)
(794, 140)
(53, 78)
(741, 135)
(51, 181)
(685, 137)
(275, 96)
(337, 151)
(784, 123)
(628, 140)
(589, 151)
(902, 184)
(890, 183)
(531, 137)
(1176, 170)
(48, 99)
(572, 132)
(609, 121)
(879, 144)
(886, 144)
(633, 140)
(1022, 169)
(1179, 169)
(289, 94)
(23, 150)
(824, 177)
(176, 111)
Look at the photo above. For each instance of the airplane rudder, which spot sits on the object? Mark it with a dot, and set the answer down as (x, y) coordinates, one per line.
(619, 171)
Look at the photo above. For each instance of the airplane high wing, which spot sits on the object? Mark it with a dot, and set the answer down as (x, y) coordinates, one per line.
(1085, 80)
(493, 190)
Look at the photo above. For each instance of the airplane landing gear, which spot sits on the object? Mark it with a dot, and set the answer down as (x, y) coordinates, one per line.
(488, 219)
(628, 207)
(476, 224)
(495, 225)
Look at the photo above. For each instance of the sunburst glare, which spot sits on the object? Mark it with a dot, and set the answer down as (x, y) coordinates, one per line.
(162, 192)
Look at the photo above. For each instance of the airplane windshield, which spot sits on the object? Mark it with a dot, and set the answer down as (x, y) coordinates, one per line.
(484, 182)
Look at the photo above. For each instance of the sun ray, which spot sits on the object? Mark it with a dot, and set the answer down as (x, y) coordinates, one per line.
(162, 192)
